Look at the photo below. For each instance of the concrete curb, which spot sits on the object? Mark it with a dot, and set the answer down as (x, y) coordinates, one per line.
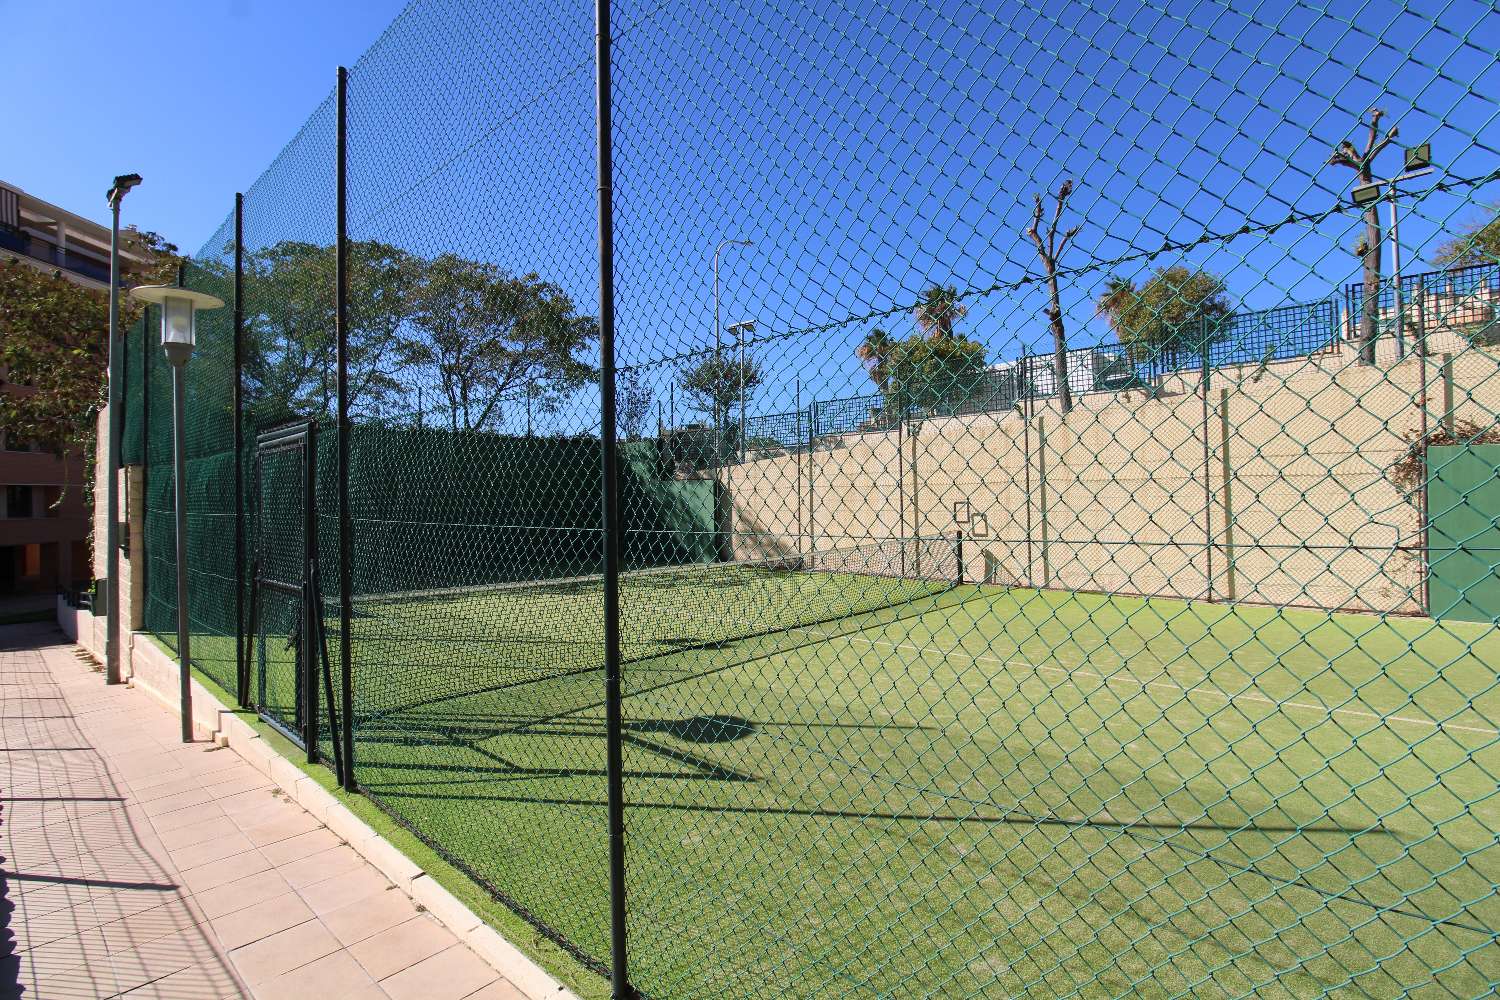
(150, 668)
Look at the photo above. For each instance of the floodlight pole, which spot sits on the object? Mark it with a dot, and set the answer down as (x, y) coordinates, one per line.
(1370, 193)
(720, 417)
(112, 672)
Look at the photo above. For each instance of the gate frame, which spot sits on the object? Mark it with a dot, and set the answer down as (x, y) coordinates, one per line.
(302, 435)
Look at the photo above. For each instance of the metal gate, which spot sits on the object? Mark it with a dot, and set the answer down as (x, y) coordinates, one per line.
(289, 647)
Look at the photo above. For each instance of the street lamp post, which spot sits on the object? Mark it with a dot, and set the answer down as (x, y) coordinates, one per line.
(1418, 164)
(112, 672)
(742, 331)
(179, 307)
(719, 418)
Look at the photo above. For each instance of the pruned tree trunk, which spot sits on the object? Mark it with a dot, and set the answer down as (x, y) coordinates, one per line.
(1059, 344)
(1369, 319)
(1050, 249)
(1362, 162)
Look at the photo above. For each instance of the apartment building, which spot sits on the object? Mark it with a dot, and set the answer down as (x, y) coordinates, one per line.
(44, 524)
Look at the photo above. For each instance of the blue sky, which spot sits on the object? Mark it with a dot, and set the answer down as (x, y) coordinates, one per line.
(241, 75)
(868, 149)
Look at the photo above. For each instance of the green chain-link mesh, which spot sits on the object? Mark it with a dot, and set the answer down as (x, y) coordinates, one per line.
(1059, 555)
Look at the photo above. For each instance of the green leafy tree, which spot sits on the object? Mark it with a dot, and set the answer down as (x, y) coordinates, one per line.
(874, 352)
(1368, 248)
(1176, 313)
(715, 383)
(935, 367)
(1477, 243)
(53, 355)
(486, 335)
(934, 373)
(290, 310)
(938, 310)
(54, 344)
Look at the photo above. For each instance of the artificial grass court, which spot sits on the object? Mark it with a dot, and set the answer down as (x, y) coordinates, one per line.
(978, 792)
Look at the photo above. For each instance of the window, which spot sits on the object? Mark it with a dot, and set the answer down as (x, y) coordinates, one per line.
(18, 501)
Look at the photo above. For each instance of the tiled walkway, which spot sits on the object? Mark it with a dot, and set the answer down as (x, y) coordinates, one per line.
(132, 865)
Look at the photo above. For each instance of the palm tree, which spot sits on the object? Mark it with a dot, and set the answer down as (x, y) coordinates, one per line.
(938, 310)
(875, 351)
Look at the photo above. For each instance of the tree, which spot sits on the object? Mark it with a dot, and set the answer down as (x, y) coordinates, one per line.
(1176, 312)
(54, 344)
(54, 348)
(874, 353)
(1051, 249)
(291, 341)
(632, 403)
(487, 334)
(935, 367)
(1369, 250)
(1476, 243)
(716, 383)
(934, 373)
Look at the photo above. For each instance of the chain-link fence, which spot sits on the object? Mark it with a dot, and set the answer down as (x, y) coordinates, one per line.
(1037, 547)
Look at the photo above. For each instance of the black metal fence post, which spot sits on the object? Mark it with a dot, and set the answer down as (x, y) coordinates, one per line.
(614, 759)
(241, 665)
(341, 320)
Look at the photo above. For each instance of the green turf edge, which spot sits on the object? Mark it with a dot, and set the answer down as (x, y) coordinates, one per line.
(561, 965)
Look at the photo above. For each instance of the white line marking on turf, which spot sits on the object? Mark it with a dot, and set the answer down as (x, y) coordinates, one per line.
(1258, 699)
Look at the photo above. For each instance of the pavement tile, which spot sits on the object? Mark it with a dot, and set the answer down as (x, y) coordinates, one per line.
(367, 917)
(332, 977)
(341, 890)
(283, 951)
(265, 918)
(237, 895)
(449, 975)
(407, 943)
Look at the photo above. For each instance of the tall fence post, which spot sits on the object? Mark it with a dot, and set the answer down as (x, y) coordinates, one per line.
(613, 724)
(242, 668)
(341, 321)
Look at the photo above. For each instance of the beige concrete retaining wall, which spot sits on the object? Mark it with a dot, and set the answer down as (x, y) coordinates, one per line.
(1123, 496)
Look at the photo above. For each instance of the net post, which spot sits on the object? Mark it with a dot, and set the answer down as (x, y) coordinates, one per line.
(959, 551)
(1449, 423)
(1041, 476)
(1208, 515)
(620, 988)
(341, 320)
(1228, 472)
(241, 665)
(801, 537)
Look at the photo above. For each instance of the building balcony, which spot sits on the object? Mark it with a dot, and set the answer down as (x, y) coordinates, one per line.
(48, 252)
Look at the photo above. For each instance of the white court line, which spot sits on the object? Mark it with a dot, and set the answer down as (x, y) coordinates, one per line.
(1213, 692)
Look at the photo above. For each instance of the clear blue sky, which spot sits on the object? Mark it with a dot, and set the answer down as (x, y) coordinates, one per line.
(238, 76)
(869, 150)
